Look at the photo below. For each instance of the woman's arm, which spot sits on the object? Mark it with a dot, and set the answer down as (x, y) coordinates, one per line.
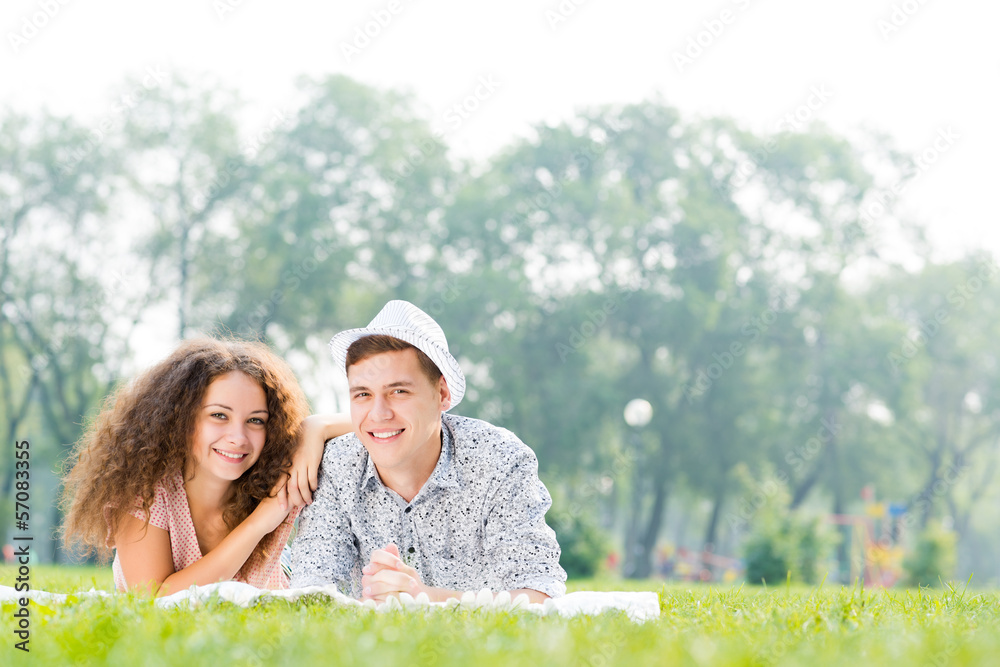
(315, 431)
(147, 563)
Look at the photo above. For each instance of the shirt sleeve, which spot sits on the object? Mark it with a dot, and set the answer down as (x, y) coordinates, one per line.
(521, 548)
(324, 551)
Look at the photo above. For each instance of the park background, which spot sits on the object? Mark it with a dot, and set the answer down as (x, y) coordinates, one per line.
(767, 220)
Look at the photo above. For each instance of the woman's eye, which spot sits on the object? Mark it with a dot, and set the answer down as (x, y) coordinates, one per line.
(219, 415)
(257, 420)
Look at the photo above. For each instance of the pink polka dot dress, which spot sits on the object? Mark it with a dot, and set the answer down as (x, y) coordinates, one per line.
(170, 511)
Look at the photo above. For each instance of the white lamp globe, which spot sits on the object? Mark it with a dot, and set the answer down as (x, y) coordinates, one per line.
(638, 412)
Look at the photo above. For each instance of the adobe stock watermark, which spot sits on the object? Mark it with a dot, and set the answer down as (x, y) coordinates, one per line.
(459, 112)
(235, 165)
(379, 20)
(269, 649)
(881, 203)
(621, 466)
(890, 535)
(798, 118)
(439, 645)
(224, 7)
(293, 278)
(586, 330)
(280, 118)
(108, 298)
(747, 507)
(792, 121)
(950, 477)
(752, 329)
(606, 653)
(711, 30)
(797, 458)
(945, 656)
(542, 201)
(154, 78)
(559, 14)
(899, 16)
(32, 24)
(446, 296)
(454, 117)
(918, 337)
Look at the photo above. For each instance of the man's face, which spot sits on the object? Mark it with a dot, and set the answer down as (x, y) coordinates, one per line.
(396, 412)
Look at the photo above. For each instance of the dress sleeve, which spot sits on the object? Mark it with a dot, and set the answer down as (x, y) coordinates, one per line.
(159, 512)
(521, 548)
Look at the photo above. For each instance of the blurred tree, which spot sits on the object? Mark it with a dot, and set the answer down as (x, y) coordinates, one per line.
(932, 562)
(184, 165)
(746, 285)
(337, 216)
(946, 413)
(631, 208)
(65, 328)
(808, 193)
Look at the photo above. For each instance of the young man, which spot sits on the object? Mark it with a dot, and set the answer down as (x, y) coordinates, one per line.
(417, 500)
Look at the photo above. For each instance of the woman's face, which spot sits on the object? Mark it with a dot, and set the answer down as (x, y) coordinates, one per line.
(230, 427)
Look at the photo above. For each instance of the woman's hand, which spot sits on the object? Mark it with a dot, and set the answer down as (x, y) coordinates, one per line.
(271, 511)
(313, 434)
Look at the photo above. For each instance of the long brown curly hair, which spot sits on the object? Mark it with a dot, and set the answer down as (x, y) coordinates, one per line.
(142, 435)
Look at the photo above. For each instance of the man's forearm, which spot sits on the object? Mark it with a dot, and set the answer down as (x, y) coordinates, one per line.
(444, 594)
(536, 597)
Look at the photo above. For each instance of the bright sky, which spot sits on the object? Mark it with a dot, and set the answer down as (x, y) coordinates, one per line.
(909, 68)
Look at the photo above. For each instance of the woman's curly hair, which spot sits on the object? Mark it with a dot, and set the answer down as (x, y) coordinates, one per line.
(142, 436)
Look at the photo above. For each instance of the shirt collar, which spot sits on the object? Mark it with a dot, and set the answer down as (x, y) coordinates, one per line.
(444, 474)
(370, 473)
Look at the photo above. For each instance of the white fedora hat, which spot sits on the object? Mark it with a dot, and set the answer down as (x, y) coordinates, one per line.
(403, 320)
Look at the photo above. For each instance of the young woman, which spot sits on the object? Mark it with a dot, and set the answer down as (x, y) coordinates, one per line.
(184, 471)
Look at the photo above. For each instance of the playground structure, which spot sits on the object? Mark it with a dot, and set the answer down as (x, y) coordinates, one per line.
(870, 541)
(688, 565)
(875, 561)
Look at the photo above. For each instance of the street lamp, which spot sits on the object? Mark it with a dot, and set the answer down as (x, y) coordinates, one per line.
(637, 414)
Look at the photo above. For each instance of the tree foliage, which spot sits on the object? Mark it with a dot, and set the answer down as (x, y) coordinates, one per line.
(738, 282)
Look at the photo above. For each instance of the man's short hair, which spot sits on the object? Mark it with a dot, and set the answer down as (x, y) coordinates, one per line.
(369, 346)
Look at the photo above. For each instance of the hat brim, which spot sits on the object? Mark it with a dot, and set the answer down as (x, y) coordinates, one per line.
(443, 359)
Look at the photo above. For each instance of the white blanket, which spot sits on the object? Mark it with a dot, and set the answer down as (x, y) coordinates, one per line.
(639, 606)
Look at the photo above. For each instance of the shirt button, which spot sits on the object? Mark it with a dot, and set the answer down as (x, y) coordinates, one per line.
(407, 510)
(411, 550)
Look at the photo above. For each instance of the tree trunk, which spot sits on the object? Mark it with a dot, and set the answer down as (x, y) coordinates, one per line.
(803, 489)
(713, 521)
(839, 503)
(55, 521)
(630, 557)
(183, 284)
(924, 500)
(644, 553)
(17, 415)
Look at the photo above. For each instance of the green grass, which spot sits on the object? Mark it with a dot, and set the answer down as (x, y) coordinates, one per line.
(700, 625)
